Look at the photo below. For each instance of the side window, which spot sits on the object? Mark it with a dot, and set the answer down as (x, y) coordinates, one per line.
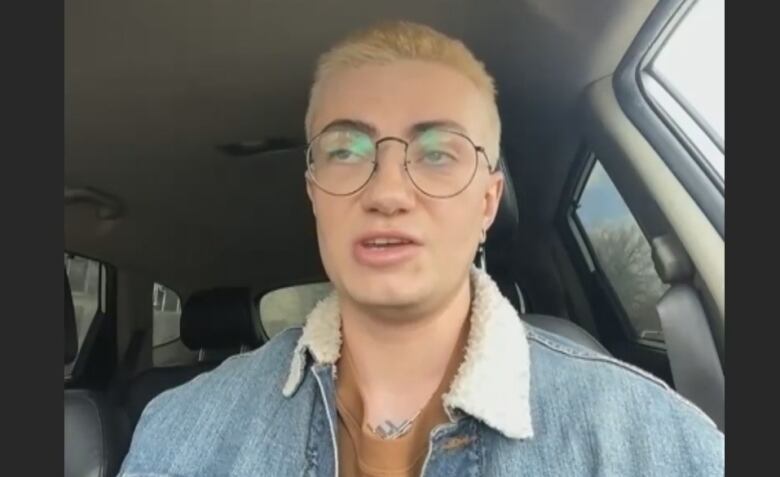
(287, 307)
(685, 79)
(166, 314)
(619, 249)
(87, 288)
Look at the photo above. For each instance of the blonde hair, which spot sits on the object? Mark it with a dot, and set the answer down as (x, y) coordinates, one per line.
(401, 40)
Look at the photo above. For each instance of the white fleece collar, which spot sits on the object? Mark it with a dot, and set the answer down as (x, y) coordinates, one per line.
(492, 383)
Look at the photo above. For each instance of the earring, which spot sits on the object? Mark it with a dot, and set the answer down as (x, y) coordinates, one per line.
(481, 251)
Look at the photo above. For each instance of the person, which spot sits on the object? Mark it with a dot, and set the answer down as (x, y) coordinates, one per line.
(415, 364)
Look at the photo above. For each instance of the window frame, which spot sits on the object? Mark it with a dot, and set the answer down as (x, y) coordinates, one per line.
(102, 284)
(589, 255)
(649, 72)
(69, 266)
(646, 73)
(155, 288)
(106, 297)
(682, 159)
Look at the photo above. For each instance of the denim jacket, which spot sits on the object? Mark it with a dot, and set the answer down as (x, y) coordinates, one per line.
(524, 402)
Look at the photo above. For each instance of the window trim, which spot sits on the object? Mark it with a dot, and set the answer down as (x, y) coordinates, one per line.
(106, 292)
(589, 255)
(597, 274)
(709, 195)
(645, 69)
(103, 278)
(704, 150)
(686, 105)
(627, 325)
(84, 283)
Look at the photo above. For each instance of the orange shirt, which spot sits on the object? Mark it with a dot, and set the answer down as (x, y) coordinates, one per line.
(361, 452)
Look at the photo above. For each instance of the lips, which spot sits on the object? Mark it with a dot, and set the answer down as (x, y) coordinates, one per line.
(385, 248)
(385, 242)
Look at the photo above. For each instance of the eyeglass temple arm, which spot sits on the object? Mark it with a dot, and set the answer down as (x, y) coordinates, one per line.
(499, 160)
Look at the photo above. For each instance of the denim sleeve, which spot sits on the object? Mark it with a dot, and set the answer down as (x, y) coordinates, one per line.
(614, 419)
(189, 430)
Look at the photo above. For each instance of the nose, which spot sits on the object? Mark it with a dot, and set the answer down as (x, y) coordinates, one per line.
(390, 191)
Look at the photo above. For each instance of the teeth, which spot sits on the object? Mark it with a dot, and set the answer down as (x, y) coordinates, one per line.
(380, 242)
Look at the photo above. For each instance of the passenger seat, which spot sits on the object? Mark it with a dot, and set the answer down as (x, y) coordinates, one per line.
(500, 249)
(217, 323)
(97, 433)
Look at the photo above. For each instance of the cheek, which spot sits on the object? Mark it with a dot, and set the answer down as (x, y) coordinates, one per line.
(328, 228)
(331, 218)
(325, 223)
(459, 222)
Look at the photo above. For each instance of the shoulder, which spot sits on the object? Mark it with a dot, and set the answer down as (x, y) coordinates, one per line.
(587, 370)
(260, 370)
(216, 407)
(619, 404)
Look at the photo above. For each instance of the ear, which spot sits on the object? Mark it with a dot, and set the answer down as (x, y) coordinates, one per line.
(493, 198)
(310, 193)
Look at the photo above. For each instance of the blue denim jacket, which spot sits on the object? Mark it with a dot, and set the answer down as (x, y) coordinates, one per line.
(523, 403)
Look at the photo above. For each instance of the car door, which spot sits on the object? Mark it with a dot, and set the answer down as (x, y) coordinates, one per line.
(641, 223)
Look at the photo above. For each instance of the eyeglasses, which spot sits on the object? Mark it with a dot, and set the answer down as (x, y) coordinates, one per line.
(440, 163)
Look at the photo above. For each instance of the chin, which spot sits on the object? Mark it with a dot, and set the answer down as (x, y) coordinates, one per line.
(396, 290)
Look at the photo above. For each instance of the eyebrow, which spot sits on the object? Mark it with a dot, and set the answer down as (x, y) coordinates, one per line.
(437, 124)
(351, 124)
(414, 130)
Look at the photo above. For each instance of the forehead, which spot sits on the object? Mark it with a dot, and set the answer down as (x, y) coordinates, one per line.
(394, 96)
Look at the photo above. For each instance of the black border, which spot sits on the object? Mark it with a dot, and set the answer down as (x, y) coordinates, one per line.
(752, 257)
(32, 239)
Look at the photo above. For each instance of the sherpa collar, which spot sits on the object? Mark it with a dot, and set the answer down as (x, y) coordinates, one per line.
(492, 383)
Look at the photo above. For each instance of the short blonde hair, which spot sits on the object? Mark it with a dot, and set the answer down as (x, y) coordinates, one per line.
(401, 40)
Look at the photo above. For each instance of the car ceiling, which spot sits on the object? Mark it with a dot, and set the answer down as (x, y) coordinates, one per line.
(153, 88)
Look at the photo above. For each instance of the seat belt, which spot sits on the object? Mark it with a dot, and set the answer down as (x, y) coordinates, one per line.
(696, 368)
(693, 357)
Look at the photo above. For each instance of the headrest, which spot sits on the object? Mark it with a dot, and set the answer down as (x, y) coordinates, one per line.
(502, 234)
(671, 261)
(220, 318)
(71, 337)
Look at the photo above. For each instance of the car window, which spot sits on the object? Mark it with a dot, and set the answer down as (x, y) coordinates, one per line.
(286, 307)
(87, 288)
(166, 315)
(622, 252)
(686, 79)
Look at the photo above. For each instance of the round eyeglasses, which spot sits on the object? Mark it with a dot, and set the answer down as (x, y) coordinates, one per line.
(440, 163)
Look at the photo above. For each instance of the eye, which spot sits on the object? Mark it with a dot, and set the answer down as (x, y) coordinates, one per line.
(437, 158)
(341, 154)
(344, 156)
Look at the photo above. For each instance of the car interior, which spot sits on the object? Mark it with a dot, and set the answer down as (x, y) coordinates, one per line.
(184, 180)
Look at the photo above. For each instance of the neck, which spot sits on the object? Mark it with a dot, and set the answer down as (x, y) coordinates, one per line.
(400, 362)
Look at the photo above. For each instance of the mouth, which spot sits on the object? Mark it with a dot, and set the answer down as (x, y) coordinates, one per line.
(383, 250)
(385, 242)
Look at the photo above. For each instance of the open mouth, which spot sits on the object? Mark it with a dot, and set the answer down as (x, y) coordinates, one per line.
(381, 251)
(381, 243)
